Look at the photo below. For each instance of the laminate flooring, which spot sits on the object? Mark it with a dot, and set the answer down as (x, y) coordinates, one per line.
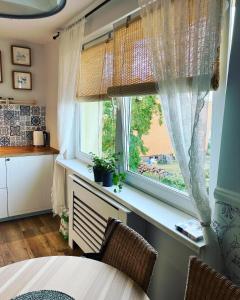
(32, 237)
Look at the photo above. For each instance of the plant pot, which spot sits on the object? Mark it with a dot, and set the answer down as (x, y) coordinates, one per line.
(107, 178)
(98, 173)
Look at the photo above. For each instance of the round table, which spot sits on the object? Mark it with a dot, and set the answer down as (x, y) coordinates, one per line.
(78, 277)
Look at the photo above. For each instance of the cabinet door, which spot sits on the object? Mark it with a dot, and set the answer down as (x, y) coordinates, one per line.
(2, 173)
(29, 181)
(3, 203)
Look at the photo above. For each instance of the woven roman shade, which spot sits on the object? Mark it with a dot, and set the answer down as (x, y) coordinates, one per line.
(132, 69)
(95, 72)
(132, 63)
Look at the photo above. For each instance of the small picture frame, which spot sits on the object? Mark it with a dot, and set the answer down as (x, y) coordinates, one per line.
(1, 75)
(21, 56)
(22, 80)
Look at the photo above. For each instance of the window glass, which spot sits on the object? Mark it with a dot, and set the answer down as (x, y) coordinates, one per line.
(150, 150)
(98, 127)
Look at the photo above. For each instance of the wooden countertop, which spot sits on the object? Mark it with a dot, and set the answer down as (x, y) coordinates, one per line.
(26, 151)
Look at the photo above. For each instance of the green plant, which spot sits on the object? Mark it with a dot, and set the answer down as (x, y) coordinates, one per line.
(174, 182)
(97, 161)
(118, 179)
(142, 111)
(109, 163)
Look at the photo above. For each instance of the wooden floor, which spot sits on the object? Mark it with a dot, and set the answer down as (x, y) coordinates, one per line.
(32, 237)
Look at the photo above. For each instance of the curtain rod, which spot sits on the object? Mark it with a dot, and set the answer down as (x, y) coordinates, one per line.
(85, 16)
(107, 34)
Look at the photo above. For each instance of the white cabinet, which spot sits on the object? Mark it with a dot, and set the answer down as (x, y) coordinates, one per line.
(29, 181)
(3, 172)
(3, 203)
(3, 189)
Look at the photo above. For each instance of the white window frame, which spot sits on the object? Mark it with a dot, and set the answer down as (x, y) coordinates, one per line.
(165, 193)
(85, 157)
(174, 197)
(170, 195)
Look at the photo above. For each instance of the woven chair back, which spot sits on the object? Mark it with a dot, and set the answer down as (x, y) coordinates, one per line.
(129, 252)
(204, 283)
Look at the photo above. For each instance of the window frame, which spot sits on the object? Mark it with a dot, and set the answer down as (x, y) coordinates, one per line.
(85, 157)
(161, 192)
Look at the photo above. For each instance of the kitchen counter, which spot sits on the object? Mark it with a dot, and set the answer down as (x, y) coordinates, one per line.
(26, 151)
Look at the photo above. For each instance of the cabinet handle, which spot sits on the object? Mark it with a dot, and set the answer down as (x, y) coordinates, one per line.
(7, 159)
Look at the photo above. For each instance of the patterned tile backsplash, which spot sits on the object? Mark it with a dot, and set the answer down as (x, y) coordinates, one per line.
(17, 123)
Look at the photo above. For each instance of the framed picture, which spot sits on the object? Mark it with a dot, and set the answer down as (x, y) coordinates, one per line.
(22, 80)
(1, 75)
(21, 56)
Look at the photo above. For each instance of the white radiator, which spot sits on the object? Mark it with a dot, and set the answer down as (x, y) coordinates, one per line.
(89, 210)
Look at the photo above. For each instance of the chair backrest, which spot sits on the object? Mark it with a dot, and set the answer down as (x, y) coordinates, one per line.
(204, 283)
(129, 252)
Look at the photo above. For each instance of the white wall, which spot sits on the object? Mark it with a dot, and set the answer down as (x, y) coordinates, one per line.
(106, 15)
(170, 272)
(227, 193)
(37, 69)
(229, 166)
(51, 89)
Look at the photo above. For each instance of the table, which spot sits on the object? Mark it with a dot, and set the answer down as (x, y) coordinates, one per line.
(81, 278)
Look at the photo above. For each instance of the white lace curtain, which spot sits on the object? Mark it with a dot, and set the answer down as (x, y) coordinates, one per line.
(183, 37)
(70, 47)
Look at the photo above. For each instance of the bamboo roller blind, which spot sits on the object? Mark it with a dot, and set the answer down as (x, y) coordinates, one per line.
(122, 66)
(132, 68)
(95, 72)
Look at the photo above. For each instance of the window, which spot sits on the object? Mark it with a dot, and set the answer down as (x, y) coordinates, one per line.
(151, 153)
(150, 150)
(121, 67)
(97, 127)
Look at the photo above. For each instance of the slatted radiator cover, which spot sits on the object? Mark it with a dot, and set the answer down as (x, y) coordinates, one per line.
(89, 210)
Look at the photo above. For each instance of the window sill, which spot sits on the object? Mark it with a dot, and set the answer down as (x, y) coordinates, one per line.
(159, 214)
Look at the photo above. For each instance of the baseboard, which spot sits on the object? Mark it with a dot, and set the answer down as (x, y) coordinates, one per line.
(42, 212)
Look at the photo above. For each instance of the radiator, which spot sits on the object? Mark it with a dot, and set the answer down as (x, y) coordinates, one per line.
(89, 210)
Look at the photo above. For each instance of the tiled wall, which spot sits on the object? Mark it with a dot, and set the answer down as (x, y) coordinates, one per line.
(17, 123)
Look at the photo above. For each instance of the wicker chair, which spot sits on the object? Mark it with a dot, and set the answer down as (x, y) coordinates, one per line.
(126, 250)
(204, 283)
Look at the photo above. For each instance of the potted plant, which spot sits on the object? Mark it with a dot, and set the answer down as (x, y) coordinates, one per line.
(97, 167)
(109, 168)
(106, 171)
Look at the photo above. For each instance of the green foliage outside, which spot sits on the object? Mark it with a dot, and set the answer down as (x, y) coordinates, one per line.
(142, 112)
(109, 127)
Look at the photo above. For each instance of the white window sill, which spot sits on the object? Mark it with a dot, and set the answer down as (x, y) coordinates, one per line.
(159, 214)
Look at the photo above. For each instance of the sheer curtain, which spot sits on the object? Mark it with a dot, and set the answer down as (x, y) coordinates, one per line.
(183, 37)
(70, 47)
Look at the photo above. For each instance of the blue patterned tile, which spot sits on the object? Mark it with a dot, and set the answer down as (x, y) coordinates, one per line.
(35, 110)
(24, 110)
(5, 141)
(15, 130)
(8, 115)
(29, 135)
(35, 121)
(4, 130)
(17, 123)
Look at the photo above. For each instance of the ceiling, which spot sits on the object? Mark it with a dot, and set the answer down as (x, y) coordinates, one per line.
(41, 30)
